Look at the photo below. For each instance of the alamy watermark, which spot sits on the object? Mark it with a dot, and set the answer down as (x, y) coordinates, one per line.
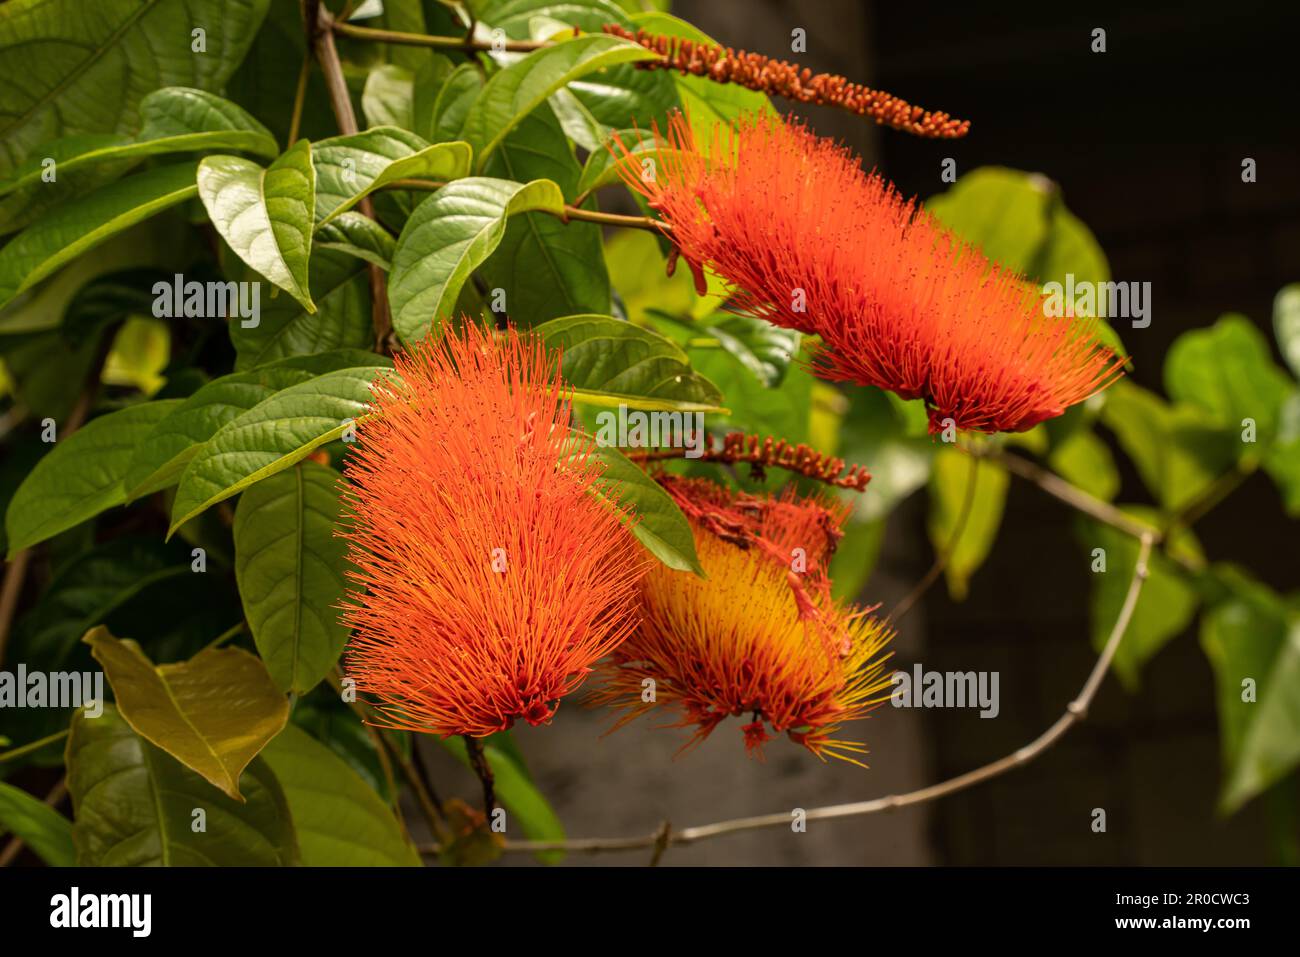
(53, 689)
(946, 689)
(635, 429)
(1105, 300)
(208, 300)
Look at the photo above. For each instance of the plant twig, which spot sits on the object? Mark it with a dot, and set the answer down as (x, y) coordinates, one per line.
(466, 44)
(31, 746)
(568, 214)
(321, 29)
(479, 762)
(1074, 712)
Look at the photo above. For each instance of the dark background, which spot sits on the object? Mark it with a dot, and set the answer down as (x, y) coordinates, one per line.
(1146, 142)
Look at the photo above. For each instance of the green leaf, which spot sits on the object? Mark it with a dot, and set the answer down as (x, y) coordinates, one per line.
(1178, 449)
(387, 98)
(453, 101)
(340, 291)
(212, 713)
(1165, 607)
(265, 215)
(1084, 460)
(82, 475)
(448, 236)
(610, 362)
(603, 165)
(525, 804)
(1254, 645)
(660, 525)
(36, 824)
(73, 228)
(1283, 459)
(340, 820)
(288, 563)
(1227, 370)
(271, 436)
(134, 806)
(358, 236)
(349, 168)
(950, 485)
(176, 119)
(514, 92)
(545, 267)
(762, 348)
(1286, 325)
(67, 70)
(619, 96)
(161, 458)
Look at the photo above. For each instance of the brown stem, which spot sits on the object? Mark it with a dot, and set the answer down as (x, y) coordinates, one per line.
(568, 214)
(479, 762)
(465, 44)
(322, 30)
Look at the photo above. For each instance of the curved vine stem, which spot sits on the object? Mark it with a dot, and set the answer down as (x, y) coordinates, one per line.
(1074, 712)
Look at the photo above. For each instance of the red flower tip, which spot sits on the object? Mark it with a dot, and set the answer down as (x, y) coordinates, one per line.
(813, 243)
(487, 579)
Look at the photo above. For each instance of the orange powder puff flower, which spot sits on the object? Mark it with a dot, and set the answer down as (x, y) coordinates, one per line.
(813, 243)
(761, 637)
(488, 580)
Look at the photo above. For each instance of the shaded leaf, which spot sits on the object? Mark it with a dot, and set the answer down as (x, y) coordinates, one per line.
(134, 806)
(213, 713)
(950, 486)
(660, 525)
(36, 824)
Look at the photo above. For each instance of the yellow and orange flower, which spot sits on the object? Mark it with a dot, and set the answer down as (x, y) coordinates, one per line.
(813, 243)
(487, 579)
(761, 637)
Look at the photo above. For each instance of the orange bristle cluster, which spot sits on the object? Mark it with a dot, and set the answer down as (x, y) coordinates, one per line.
(761, 637)
(488, 578)
(813, 243)
(780, 78)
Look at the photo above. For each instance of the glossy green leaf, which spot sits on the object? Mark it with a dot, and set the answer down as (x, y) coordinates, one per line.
(67, 69)
(1165, 607)
(453, 101)
(36, 824)
(271, 436)
(447, 237)
(349, 168)
(340, 290)
(212, 713)
(358, 236)
(160, 459)
(957, 477)
(72, 229)
(387, 97)
(289, 565)
(762, 348)
(81, 476)
(265, 215)
(610, 362)
(875, 435)
(518, 89)
(660, 525)
(544, 266)
(1253, 642)
(135, 806)
(176, 119)
(1228, 371)
(339, 819)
